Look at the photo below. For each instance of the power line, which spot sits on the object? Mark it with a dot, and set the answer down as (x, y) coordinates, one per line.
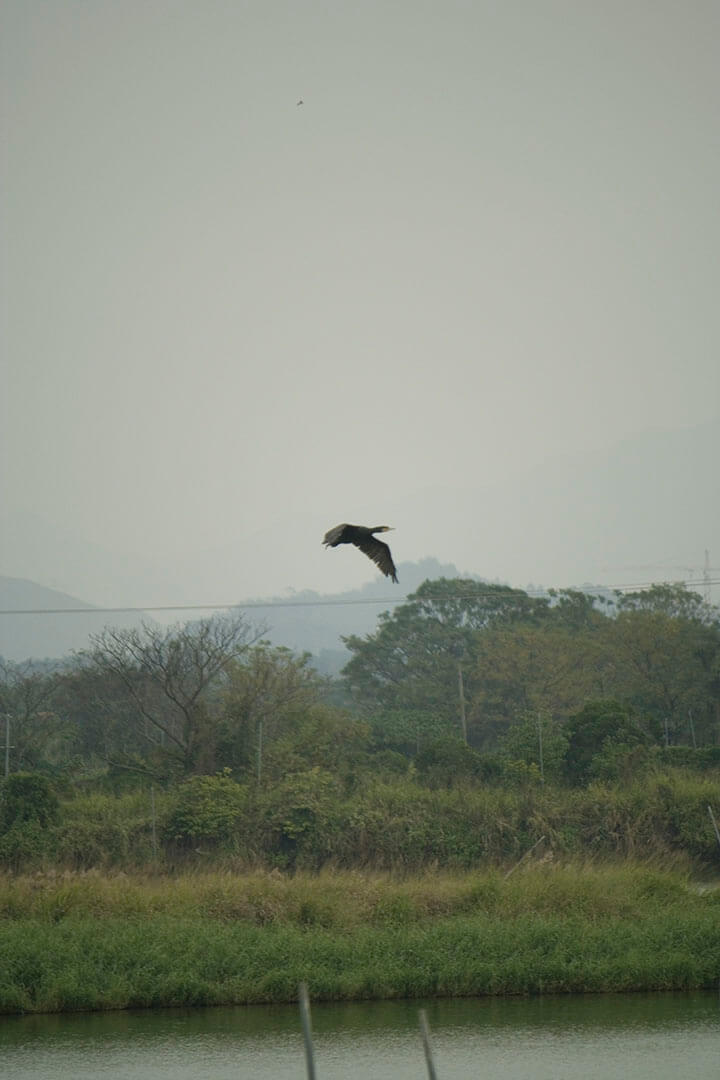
(329, 603)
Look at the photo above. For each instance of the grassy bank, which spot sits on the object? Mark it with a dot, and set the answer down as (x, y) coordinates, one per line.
(94, 942)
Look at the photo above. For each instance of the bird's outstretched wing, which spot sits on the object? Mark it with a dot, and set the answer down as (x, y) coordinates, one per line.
(379, 553)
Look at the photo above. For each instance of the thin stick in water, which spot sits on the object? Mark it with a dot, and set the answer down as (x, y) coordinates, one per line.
(425, 1032)
(307, 1030)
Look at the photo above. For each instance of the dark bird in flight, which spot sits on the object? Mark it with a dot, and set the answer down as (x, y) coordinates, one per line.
(363, 538)
(300, 102)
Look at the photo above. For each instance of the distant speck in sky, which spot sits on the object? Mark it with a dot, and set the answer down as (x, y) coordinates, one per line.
(300, 102)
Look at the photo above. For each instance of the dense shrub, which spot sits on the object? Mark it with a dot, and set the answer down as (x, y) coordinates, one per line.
(208, 809)
(598, 729)
(27, 797)
(698, 759)
(446, 761)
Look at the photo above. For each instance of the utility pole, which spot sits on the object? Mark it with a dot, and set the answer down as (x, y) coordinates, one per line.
(539, 727)
(259, 750)
(692, 728)
(7, 745)
(461, 693)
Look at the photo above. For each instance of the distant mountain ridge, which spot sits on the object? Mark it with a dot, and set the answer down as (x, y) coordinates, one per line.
(316, 622)
(47, 635)
(305, 622)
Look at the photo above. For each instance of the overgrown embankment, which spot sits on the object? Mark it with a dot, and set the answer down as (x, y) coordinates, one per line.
(86, 941)
(309, 820)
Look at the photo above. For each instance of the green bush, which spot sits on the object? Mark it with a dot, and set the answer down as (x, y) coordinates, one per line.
(27, 797)
(702, 759)
(25, 844)
(595, 730)
(446, 761)
(208, 809)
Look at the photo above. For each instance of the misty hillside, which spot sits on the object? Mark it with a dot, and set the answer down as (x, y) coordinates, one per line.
(48, 636)
(316, 622)
(306, 622)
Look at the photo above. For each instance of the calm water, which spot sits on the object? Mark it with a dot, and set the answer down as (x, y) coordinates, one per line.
(641, 1036)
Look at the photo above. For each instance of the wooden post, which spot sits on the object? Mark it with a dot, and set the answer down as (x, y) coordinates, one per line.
(307, 1030)
(425, 1032)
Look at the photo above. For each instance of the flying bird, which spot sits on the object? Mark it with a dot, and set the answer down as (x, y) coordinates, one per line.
(300, 102)
(362, 537)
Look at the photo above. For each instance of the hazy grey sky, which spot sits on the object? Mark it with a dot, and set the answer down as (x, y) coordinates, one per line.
(489, 237)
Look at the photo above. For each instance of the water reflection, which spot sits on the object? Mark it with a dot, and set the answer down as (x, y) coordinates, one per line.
(653, 1036)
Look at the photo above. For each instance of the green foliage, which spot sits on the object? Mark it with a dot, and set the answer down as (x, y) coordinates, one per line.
(446, 762)
(412, 661)
(208, 809)
(407, 730)
(27, 797)
(600, 728)
(533, 737)
(700, 759)
(318, 737)
(24, 844)
(267, 690)
(101, 830)
(302, 813)
(506, 655)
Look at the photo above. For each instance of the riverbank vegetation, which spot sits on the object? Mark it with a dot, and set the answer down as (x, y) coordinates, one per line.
(93, 942)
(309, 821)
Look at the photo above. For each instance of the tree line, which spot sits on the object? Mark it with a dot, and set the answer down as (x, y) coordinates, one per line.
(460, 679)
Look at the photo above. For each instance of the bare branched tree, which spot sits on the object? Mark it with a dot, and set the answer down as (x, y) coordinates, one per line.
(26, 699)
(168, 675)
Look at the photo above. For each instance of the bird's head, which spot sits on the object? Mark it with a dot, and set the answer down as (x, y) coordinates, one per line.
(384, 528)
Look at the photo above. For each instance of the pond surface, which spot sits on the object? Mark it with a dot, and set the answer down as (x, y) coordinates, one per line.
(643, 1036)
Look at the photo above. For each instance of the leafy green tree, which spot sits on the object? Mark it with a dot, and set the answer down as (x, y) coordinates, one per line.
(527, 670)
(599, 728)
(667, 645)
(420, 658)
(323, 737)
(536, 739)
(266, 691)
